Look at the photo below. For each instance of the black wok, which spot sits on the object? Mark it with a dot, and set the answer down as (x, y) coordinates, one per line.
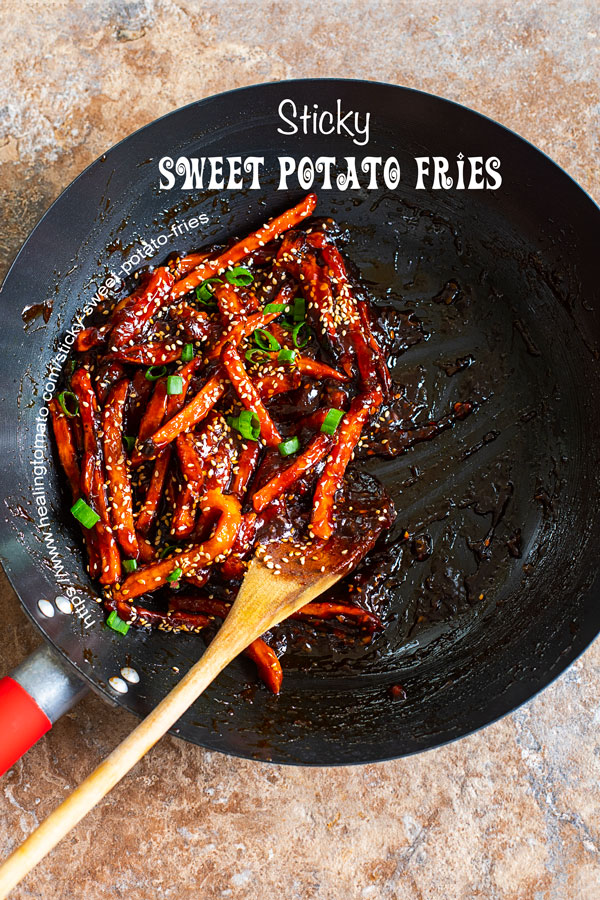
(475, 629)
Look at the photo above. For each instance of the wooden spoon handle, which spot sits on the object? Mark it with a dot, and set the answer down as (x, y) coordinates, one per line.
(221, 651)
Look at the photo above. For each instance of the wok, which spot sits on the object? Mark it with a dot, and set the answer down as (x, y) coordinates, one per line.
(503, 280)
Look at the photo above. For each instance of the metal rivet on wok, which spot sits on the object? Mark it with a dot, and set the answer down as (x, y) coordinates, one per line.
(117, 684)
(130, 675)
(46, 608)
(64, 605)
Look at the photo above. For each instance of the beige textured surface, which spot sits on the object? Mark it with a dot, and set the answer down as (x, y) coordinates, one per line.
(512, 813)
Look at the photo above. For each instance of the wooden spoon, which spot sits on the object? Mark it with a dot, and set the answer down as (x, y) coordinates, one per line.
(287, 576)
(264, 600)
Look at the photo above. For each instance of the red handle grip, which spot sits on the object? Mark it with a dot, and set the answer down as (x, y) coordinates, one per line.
(22, 722)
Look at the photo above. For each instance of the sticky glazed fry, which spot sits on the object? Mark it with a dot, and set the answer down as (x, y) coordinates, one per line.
(244, 248)
(132, 319)
(317, 450)
(119, 487)
(196, 410)
(248, 394)
(223, 409)
(267, 663)
(341, 612)
(67, 453)
(361, 410)
(93, 476)
(150, 578)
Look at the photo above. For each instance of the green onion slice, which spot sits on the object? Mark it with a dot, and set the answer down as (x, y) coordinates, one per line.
(299, 309)
(166, 550)
(291, 445)
(332, 420)
(117, 624)
(287, 356)
(204, 291)
(247, 424)
(174, 384)
(265, 340)
(187, 354)
(129, 442)
(130, 565)
(299, 337)
(84, 513)
(239, 276)
(155, 372)
(175, 575)
(275, 308)
(69, 403)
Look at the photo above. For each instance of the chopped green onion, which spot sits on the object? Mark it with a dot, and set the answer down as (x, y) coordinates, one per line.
(247, 424)
(175, 575)
(85, 514)
(239, 276)
(155, 372)
(204, 291)
(275, 308)
(265, 340)
(166, 550)
(256, 355)
(299, 309)
(286, 448)
(66, 399)
(129, 442)
(287, 356)
(332, 420)
(116, 623)
(297, 337)
(130, 565)
(286, 323)
(187, 354)
(174, 384)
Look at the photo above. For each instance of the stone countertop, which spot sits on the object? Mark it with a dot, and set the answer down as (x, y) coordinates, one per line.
(511, 813)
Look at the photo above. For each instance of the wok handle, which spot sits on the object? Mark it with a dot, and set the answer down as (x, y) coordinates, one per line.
(32, 698)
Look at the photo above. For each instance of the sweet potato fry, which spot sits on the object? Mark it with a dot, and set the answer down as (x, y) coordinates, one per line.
(317, 450)
(152, 419)
(187, 417)
(245, 469)
(93, 476)
(65, 445)
(245, 247)
(340, 611)
(175, 402)
(347, 437)
(248, 394)
(129, 322)
(150, 578)
(67, 454)
(370, 359)
(115, 461)
(149, 509)
(316, 369)
(267, 663)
